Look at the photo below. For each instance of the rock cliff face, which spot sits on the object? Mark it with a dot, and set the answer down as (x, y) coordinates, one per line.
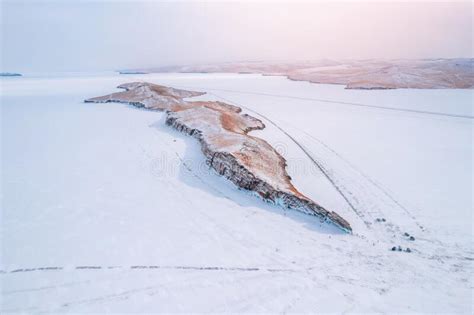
(249, 162)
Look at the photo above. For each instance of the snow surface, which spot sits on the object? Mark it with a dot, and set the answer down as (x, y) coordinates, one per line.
(112, 188)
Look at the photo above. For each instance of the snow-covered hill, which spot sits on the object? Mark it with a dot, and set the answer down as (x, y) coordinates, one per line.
(355, 74)
(104, 208)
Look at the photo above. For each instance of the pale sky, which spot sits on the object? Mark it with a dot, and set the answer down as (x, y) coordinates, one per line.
(64, 35)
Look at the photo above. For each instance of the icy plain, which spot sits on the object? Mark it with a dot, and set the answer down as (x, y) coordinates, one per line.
(106, 209)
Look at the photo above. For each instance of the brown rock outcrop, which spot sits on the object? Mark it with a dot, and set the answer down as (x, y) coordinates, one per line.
(249, 162)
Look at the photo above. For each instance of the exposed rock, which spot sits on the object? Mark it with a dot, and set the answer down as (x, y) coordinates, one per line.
(400, 249)
(249, 162)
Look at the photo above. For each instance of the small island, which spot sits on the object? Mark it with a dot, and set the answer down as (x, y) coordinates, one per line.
(223, 132)
(132, 72)
(10, 74)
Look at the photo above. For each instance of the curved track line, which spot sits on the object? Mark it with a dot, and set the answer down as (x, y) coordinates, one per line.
(398, 109)
(368, 178)
(150, 267)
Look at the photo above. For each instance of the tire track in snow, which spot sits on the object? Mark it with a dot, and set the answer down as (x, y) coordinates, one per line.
(150, 290)
(385, 197)
(368, 178)
(150, 267)
(397, 109)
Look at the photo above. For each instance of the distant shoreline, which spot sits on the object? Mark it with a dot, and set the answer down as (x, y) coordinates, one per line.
(353, 74)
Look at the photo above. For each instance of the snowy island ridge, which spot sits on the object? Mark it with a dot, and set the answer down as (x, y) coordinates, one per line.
(249, 162)
(355, 74)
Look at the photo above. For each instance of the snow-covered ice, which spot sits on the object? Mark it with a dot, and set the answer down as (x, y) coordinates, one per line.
(111, 188)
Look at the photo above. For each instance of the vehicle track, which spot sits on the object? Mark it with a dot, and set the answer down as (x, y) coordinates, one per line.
(396, 109)
(365, 176)
(148, 267)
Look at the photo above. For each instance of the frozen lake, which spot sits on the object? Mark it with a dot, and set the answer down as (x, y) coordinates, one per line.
(111, 188)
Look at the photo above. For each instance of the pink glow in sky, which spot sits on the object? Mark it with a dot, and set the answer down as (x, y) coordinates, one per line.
(84, 35)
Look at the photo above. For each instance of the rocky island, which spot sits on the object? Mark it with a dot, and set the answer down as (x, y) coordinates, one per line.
(9, 74)
(223, 132)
